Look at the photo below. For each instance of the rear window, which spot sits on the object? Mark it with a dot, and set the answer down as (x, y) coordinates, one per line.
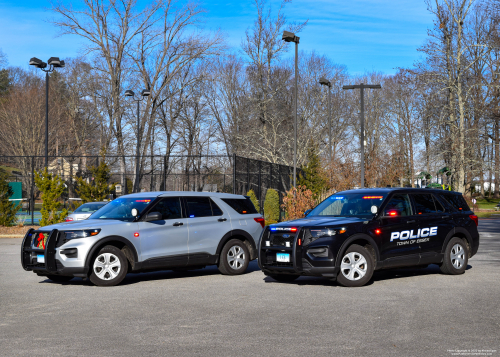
(241, 205)
(424, 203)
(202, 207)
(456, 201)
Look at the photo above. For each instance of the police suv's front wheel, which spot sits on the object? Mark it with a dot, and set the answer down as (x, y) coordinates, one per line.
(234, 258)
(356, 267)
(456, 257)
(109, 267)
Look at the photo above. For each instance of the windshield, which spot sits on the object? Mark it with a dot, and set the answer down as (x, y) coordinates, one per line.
(349, 205)
(121, 209)
(89, 207)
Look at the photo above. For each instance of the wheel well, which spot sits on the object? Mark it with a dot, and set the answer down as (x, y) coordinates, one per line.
(365, 244)
(465, 239)
(116, 243)
(249, 245)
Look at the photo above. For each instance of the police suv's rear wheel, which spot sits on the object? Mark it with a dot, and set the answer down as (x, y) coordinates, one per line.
(455, 258)
(356, 267)
(108, 267)
(234, 258)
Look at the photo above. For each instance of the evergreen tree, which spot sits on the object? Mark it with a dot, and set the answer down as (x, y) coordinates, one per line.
(254, 199)
(98, 189)
(314, 176)
(8, 209)
(272, 206)
(51, 186)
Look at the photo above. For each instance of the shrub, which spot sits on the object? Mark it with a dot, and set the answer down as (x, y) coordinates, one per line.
(51, 186)
(314, 175)
(98, 189)
(297, 201)
(8, 209)
(272, 206)
(254, 199)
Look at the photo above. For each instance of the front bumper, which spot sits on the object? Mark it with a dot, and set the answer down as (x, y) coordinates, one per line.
(301, 261)
(52, 256)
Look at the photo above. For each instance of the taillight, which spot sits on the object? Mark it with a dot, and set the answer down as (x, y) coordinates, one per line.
(474, 218)
(68, 219)
(260, 220)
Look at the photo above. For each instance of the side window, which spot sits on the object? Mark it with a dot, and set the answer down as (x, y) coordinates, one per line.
(241, 205)
(424, 203)
(399, 205)
(198, 207)
(439, 206)
(169, 207)
(447, 204)
(458, 202)
(216, 211)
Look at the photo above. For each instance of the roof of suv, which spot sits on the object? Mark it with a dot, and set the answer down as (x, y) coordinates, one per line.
(183, 193)
(391, 189)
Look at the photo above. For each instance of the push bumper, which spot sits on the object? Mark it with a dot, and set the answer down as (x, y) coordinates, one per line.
(299, 264)
(49, 265)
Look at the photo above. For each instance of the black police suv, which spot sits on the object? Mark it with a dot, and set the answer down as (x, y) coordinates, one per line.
(352, 233)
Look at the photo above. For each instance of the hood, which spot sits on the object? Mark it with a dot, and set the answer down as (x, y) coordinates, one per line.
(320, 221)
(85, 224)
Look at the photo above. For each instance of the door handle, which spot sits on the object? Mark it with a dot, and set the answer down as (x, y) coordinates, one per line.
(408, 222)
(222, 219)
(178, 224)
(445, 217)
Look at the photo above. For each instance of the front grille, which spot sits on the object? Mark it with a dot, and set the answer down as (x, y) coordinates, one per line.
(277, 240)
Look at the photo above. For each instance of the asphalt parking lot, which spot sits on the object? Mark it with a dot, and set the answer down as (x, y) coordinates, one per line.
(404, 312)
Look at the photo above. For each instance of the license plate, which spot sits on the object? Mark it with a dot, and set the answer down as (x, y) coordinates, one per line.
(283, 257)
(40, 258)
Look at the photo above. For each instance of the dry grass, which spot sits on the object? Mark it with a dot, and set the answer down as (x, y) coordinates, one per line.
(15, 230)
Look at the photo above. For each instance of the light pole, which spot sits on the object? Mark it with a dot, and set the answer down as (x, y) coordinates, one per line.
(53, 63)
(362, 87)
(323, 81)
(144, 93)
(290, 37)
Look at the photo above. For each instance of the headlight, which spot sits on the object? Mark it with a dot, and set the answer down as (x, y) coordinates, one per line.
(82, 234)
(319, 233)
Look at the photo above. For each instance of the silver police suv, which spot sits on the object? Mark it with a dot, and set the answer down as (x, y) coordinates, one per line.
(148, 231)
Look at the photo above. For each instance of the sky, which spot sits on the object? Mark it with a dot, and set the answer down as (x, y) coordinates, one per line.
(363, 35)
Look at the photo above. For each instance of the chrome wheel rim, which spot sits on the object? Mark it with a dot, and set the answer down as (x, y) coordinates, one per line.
(107, 266)
(457, 256)
(236, 257)
(354, 266)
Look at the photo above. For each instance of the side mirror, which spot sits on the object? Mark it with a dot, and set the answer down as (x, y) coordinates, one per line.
(374, 209)
(134, 212)
(153, 216)
(392, 213)
(307, 212)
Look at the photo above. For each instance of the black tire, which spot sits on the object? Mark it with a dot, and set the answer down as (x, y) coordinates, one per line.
(107, 258)
(236, 266)
(456, 257)
(283, 278)
(355, 255)
(59, 278)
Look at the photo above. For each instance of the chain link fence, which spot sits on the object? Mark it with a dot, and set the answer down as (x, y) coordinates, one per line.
(130, 174)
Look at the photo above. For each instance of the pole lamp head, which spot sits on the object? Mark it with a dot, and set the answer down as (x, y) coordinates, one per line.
(129, 93)
(325, 82)
(145, 92)
(290, 37)
(55, 62)
(37, 63)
